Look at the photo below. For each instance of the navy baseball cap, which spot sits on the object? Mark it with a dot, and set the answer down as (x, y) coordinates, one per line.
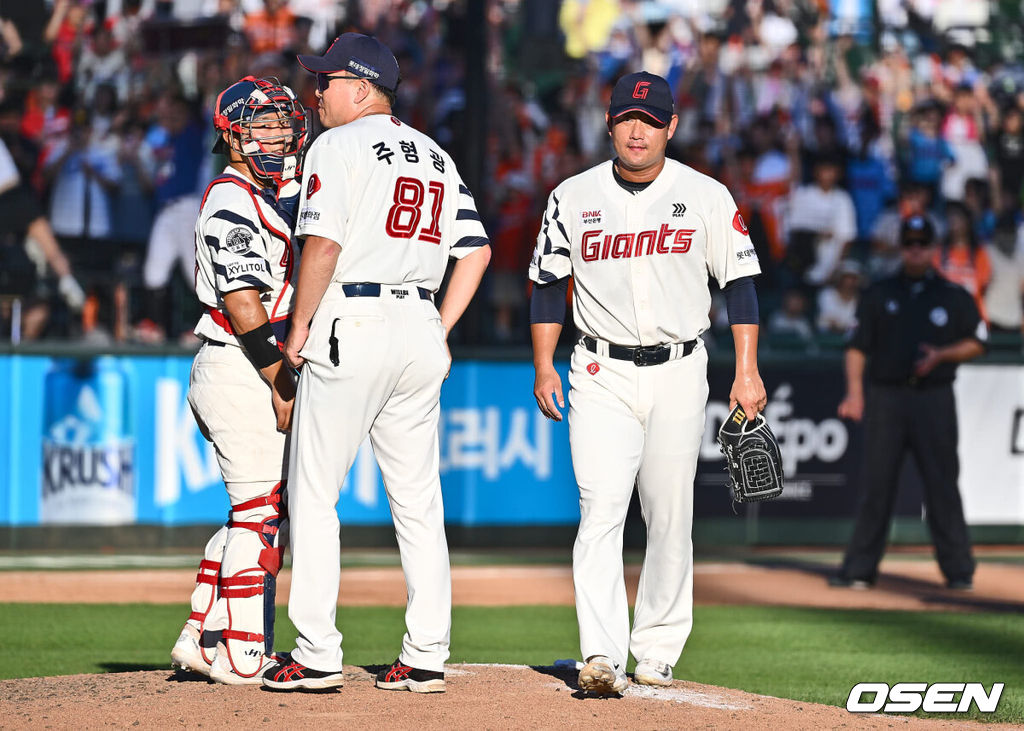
(642, 92)
(361, 56)
(229, 107)
(917, 229)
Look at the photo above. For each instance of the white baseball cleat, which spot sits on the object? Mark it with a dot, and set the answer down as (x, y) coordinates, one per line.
(602, 677)
(222, 672)
(186, 653)
(652, 672)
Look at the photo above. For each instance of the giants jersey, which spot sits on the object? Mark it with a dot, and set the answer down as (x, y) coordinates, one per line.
(640, 262)
(392, 199)
(243, 239)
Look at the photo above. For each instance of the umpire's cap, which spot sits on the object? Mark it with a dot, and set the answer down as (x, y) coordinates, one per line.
(917, 229)
(361, 56)
(642, 92)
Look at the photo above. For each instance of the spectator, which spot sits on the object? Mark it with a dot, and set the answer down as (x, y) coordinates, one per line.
(133, 218)
(791, 318)
(978, 202)
(823, 217)
(66, 31)
(85, 173)
(102, 63)
(962, 259)
(1004, 298)
(837, 305)
(962, 131)
(177, 147)
(927, 153)
(21, 216)
(511, 244)
(1008, 154)
(271, 29)
(871, 182)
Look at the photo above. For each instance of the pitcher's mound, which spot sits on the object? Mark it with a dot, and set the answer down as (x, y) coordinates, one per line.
(478, 696)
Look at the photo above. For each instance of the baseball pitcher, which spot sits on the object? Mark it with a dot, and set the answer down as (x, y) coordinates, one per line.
(639, 235)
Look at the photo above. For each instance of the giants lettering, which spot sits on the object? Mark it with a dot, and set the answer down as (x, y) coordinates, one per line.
(625, 246)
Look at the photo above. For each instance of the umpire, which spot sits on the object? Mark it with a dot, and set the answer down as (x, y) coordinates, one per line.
(913, 329)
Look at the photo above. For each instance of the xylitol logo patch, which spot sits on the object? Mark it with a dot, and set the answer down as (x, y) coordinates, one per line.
(930, 698)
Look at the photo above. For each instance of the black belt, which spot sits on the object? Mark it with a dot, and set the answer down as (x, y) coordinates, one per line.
(367, 289)
(641, 356)
(214, 343)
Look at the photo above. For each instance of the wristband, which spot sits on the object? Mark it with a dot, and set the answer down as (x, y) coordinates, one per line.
(261, 346)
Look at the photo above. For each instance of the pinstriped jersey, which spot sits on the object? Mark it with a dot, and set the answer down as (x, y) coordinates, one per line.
(243, 240)
(640, 262)
(392, 199)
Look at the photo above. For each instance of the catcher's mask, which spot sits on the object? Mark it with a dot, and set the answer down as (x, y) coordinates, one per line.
(251, 102)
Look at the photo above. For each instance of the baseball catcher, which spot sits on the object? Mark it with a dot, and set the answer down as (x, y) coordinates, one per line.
(752, 457)
(240, 390)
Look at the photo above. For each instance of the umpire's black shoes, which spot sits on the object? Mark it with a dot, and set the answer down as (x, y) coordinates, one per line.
(960, 584)
(402, 677)
(291, 675)
(842, 581)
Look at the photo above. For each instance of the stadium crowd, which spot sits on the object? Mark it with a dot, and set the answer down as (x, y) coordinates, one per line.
(828, 130)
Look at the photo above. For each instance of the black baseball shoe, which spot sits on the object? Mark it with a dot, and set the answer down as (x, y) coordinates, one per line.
(960, 584)
(842, 581)
(288, 674)
(403, 677)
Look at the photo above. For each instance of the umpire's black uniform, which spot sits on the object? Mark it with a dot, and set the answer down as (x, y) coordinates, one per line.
(904, 412)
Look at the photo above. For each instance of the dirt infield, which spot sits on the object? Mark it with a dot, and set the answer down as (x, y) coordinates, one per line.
(478, 697)
(481, 697)
(904, 585)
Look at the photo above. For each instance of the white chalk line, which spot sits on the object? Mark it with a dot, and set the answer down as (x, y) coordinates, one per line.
(645, 692)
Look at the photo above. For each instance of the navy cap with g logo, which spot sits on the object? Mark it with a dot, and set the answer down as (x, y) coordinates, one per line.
(359, 55)
(642, 92)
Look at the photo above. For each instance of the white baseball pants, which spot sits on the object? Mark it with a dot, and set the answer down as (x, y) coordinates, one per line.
(387, 383)
(232, 405)
(635, 425)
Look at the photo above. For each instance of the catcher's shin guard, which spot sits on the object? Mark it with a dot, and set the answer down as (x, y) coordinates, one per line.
(204, 596)
(248, 581)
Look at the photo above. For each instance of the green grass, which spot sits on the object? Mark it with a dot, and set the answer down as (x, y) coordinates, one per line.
(805, 654)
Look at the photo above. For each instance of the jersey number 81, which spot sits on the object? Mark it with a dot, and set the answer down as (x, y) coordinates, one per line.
(405, 214)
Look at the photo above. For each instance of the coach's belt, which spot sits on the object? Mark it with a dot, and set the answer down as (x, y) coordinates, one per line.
(640, 356)
(367, 289)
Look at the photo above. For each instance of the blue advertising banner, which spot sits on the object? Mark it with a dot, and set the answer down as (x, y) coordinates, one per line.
(112, 440)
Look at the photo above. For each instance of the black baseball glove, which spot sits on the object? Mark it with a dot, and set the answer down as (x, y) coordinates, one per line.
(752, 457)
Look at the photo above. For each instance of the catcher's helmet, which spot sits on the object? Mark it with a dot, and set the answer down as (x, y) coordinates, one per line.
(237, 109)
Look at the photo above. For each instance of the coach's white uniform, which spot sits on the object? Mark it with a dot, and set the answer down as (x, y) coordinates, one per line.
(243, 240)
(393, 200)
(640, 263)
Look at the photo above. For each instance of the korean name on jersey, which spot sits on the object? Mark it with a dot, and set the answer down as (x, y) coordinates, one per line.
(640, 261)
(398, 225)
(243, 239)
